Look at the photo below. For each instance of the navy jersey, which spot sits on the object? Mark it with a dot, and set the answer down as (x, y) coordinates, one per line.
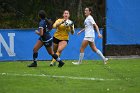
(43, 25)
(46, 38)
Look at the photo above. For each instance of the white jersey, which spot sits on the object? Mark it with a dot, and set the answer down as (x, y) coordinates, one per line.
(89, 29)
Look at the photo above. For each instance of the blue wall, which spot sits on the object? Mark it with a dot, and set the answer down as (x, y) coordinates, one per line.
(123, 22)
(25, 39)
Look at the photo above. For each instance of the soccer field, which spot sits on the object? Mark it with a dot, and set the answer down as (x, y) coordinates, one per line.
(118, 76)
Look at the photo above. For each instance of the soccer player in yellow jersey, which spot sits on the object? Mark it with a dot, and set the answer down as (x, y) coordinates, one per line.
(63, 26)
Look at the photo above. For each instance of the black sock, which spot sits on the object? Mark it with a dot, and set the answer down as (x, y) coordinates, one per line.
(35, 55)
(56, 58)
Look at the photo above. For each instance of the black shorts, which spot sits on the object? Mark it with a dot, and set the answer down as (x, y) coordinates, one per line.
(47, 40)
(56, 41)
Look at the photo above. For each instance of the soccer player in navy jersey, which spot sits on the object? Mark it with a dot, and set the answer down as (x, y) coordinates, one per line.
(45, 39)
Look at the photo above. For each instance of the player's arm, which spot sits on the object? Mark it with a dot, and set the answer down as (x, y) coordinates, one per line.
(72, 29)
(81, 31)
(41, 27)
(97, 29)
(58, 23)
(40, 32)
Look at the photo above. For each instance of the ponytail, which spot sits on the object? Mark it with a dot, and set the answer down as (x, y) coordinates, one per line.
(49, 24)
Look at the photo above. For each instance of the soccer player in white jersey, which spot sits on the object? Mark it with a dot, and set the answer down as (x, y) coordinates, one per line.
(89, 37)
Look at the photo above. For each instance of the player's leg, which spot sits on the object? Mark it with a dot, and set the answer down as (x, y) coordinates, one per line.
(81, 56)
(37, 46)
(55, 47)
(94, 48)
(55, 56)
(61, 46)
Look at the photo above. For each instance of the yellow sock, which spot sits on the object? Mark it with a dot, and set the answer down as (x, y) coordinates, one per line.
(53, 60)
(57, 53)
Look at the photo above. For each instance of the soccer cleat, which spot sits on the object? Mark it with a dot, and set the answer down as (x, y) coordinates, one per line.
(61, 64)
(33, 65)
(105, 61)
(52, 64)
(76, 63)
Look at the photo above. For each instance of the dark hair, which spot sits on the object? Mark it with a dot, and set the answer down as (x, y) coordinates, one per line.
(90, 9)
(66, 10)
(42, 14)
(49, 24)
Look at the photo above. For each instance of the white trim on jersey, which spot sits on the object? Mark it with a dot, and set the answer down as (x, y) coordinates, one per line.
(41, 27)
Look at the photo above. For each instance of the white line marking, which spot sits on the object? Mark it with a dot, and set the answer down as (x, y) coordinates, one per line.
(54, 76)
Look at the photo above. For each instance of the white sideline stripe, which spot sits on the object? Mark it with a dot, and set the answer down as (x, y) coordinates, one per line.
(54, 76)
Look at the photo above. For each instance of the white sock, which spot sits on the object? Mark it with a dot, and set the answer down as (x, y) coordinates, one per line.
(81, 56)
(100, 54)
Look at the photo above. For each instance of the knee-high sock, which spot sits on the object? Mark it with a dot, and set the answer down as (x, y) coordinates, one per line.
(55, 56)
(81, 56)
(35, 55)
(53, 60)
(100, 54)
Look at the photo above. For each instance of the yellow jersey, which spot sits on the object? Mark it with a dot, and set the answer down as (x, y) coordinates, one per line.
(62, 31)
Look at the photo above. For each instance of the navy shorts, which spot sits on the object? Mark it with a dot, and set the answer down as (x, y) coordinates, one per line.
(46, 39)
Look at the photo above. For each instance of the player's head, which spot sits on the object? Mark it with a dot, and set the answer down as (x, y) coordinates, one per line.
(88, 11)
(66, 14)
(42, 14)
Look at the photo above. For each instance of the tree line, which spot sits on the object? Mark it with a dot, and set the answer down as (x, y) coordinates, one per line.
(23, 13)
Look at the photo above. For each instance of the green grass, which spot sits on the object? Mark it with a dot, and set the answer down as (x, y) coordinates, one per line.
(125, 75)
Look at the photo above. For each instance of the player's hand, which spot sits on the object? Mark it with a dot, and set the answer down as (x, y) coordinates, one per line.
(36, 31)
(71, 27)
(71, 24)
(79, 33)
(100, 36)
(63, 21)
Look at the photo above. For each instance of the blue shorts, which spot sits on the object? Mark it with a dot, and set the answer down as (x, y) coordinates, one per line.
(47, 40)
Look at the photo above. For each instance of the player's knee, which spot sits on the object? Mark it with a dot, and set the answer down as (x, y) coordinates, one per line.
(81, 50)
(35, 50)
(59, 51)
